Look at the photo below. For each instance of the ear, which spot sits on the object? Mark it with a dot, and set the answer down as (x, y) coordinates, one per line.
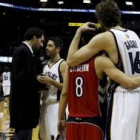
(58, 49)
(34, 37)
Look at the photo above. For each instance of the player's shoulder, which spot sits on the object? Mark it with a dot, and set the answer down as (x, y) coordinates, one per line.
(103, 38)
(61, 61)
(63, 65)
(105, 35)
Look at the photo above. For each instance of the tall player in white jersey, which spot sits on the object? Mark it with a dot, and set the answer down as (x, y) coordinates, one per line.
(124, 121)
(6, 83)
(123, 48)
(53, 77)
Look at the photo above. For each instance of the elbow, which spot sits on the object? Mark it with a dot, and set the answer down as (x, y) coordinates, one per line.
(69, 63)
(60, 87)
(130, 85)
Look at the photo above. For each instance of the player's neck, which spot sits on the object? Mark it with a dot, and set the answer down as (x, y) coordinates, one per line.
(54, 59)
(118, 27)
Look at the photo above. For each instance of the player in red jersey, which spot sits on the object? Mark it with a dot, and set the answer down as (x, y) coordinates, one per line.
(80, 91)
(83, 103)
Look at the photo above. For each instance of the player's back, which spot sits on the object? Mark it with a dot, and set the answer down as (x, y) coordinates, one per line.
(128, 44)
(83, 91)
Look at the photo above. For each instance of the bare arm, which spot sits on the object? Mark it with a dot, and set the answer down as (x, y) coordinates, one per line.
(63, 102)
(46, 79)
(73, 57)
(62, 71)
(105, 65)
(101, 42)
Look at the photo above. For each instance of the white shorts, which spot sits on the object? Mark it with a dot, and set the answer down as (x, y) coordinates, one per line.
(6, 90)
(125, 121)
(48, 121)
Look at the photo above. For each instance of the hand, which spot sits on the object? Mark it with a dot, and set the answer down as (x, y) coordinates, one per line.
(44, 79)
(61, 126)
(50, 101)
(88, 26)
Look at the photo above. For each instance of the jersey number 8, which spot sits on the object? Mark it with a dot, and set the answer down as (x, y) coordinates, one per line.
(79, 86)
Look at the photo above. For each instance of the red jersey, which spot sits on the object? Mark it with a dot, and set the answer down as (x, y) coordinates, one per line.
(83, 91)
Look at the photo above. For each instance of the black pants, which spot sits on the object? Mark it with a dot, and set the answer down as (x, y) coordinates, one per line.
(23, 134)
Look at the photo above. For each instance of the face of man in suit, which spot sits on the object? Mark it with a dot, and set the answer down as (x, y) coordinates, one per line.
(37, 43)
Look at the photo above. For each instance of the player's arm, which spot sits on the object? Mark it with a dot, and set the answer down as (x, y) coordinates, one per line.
(46, 79)
(76, 56)
(104, 65)
(96, 44)
(63, 103)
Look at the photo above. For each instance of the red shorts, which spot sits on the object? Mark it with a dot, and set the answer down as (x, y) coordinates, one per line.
(83, 131)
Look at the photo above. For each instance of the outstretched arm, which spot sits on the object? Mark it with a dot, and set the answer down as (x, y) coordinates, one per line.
(104, 65)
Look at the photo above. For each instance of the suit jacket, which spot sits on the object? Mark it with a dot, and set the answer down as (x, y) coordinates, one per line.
(24, 96)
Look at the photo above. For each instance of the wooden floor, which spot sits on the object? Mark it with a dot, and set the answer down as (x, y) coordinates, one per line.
(5, 132)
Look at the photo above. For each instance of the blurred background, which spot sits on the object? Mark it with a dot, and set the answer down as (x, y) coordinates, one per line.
(56, 17)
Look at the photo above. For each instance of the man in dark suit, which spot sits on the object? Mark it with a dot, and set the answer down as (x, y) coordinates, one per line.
(24, 96)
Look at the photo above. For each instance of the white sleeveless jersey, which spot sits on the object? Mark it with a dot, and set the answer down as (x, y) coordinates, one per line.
(54, 73)
(6, 79)
(128, 44)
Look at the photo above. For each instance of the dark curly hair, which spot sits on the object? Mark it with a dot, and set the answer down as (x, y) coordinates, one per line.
(108, 13)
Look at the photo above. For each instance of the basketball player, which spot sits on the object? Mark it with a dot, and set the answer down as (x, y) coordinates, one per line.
(6, 83)
(54, 71)
(123, 48)
(81, 92)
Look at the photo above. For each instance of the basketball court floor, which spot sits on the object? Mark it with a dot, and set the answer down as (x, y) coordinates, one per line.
(5, 132)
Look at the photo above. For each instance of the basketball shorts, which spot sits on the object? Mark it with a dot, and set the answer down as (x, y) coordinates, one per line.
(83, 129)
(125, 119)
(48, 120)
(6, 90)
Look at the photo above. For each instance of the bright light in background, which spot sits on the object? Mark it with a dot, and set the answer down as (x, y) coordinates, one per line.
(43, 0)
(86, 1)
(129, 3)
(60, 2)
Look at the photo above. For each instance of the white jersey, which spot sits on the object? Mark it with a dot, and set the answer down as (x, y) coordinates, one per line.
(54, 73)
(6, 79)
(123, 117)
(128, 44)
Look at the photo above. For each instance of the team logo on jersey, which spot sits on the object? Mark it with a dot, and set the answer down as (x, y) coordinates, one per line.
(127, 36)
(52, 75)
